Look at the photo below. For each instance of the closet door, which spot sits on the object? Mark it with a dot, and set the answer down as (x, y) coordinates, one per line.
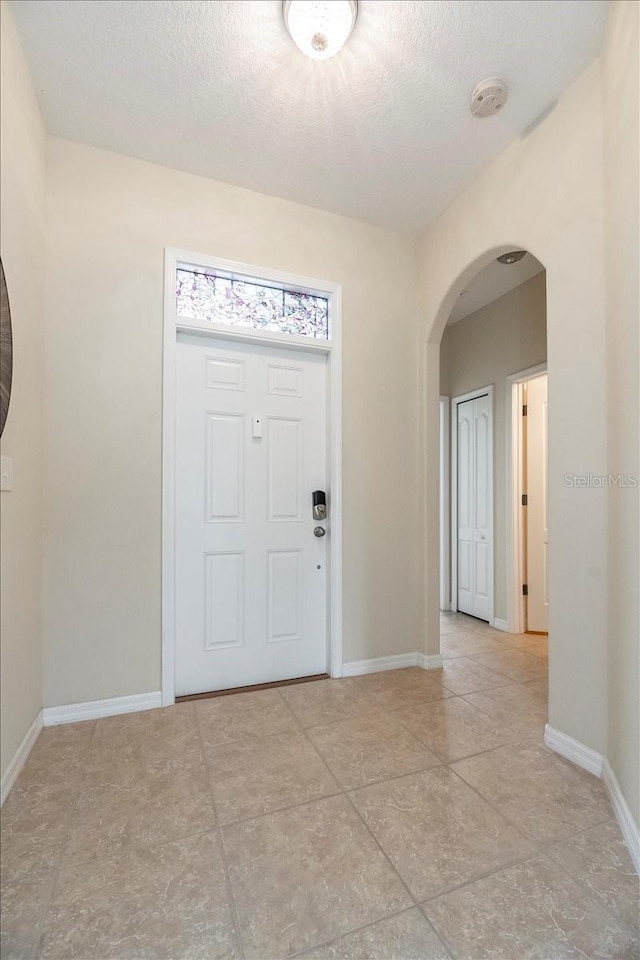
(474, 507)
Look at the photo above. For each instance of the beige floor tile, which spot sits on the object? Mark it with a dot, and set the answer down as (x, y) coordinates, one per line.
(533, 910)
(549, 798)
(480, 626)
(137, 804)
(516, 707)
(26, 885)
(35, 825)
(600, 858)
(464, 675)
(540, 688)
(393, 689)
(327, 700)
(244, 716)
(253, 777)
(145, 736)
(407, 936)
(368, 749)
(453, 729)
(60, 753)
(517, 641)
(156, 902)
(463, 621)
(303, 876)
(35, 818)
(539, 648)
(514, 664)
(436, 831)
(467, 644)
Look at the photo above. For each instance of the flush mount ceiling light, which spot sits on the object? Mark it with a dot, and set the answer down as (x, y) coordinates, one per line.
(512, 257)
(319, 28)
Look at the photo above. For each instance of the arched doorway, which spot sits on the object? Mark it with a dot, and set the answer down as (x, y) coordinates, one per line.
(493, 536)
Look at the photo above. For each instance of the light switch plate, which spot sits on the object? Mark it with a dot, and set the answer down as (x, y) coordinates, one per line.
(6, 473)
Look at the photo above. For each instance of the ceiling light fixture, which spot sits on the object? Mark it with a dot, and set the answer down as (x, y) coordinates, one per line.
(512, 257)
(319, 28)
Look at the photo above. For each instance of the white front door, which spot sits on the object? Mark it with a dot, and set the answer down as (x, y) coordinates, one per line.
(251, 576)
(474, 506)
(536, 511)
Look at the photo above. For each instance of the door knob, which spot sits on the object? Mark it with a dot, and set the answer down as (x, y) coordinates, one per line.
(319, 531)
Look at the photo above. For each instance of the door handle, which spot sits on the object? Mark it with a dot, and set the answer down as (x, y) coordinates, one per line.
(319, 532)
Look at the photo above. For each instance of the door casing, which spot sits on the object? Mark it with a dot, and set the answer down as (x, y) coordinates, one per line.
(516, 561)
(480, 392)
(333, 350)
(445, 459)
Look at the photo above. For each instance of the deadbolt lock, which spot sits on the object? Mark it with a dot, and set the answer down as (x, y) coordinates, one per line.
(319, 501)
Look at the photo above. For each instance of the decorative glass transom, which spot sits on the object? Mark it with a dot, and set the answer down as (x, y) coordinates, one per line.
(208, 298)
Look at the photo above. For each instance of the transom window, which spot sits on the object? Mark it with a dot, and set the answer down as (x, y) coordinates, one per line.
(207, 297)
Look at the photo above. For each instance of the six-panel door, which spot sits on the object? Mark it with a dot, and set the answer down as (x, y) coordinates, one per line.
(251, 577)
(474, 507)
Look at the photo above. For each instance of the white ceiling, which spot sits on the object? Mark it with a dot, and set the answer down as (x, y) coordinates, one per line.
(492, 282)
(381, 132)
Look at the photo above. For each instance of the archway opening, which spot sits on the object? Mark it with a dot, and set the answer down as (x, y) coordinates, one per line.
(493, 589)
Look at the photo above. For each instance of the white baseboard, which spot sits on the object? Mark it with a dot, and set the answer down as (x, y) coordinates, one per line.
(573, 750)
(93, 709)
(20, 757)
(501, 625)
(429, 661)
(355, 668)
(629, 828)
(595, 763)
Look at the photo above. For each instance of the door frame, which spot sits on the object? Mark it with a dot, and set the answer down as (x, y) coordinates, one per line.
(516, 612)
(445, 487)
(331, 348)
(472, 395)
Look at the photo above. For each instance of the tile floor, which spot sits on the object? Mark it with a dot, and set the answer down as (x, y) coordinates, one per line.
(411, 814)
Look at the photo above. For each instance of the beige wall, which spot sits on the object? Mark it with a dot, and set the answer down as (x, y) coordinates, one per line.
(23, 164)
(545, 195)
(622, 206)
(502, 338)
(110, 218)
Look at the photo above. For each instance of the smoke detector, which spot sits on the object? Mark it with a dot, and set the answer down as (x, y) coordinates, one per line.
(488, 98)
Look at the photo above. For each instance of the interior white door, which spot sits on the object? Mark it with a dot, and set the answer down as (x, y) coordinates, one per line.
(251, 577)
(536, 431)
(474, 507)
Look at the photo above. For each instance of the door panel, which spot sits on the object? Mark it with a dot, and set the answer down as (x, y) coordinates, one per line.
(536, 423)
(224, 600)
(285, 469)
(475, 556)
(251, 446)
(224, 479)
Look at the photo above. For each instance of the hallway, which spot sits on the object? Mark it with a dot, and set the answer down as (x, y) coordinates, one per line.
(402, 814)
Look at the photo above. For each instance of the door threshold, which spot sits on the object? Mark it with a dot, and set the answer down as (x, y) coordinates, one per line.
(537, 633)
(256, 686)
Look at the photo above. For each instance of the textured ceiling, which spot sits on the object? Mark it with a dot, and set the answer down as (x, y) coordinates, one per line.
(492, 282)
(381, 132)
